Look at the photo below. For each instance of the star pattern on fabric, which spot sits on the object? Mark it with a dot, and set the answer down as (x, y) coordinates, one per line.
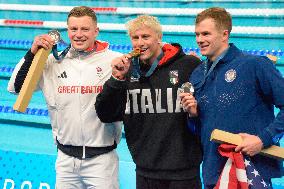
(239, 171)
(255, 172)
(247, 163)
(264, 183)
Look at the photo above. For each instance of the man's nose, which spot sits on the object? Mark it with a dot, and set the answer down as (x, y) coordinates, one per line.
(140, 41)
(199, 38)
(79, 33)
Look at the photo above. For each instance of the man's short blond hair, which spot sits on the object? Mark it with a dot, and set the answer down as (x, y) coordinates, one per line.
(144, 21)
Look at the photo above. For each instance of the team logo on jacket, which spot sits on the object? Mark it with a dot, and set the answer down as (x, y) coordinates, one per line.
(99, 71)
(230, 75)
(62, 75)
(173, 77)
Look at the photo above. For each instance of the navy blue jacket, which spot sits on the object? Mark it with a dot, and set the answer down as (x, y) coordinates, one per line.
(238, 96)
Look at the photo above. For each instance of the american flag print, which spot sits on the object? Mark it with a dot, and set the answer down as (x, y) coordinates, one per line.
(238, 172)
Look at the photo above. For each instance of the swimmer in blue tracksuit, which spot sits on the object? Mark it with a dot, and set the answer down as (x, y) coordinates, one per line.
(235, 92)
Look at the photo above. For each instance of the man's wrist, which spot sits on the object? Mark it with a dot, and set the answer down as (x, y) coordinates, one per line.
(118, 78)
(191, 115)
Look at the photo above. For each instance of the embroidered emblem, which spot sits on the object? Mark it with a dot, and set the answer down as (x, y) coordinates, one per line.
(174, 77)
(99, 71)
(230, 75)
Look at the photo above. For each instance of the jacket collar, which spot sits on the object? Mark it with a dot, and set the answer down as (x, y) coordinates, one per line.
(100, 46)
(170, 52)
(233, 52)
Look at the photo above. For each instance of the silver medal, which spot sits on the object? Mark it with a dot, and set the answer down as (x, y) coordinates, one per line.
(187, 87)
(55, 35)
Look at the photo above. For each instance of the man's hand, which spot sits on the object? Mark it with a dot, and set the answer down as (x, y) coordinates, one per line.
(120, 66)
(45, 41)
(251, 144)
(189, 103)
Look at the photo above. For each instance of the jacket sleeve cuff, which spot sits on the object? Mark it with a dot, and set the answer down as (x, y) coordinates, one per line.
(116, 83)
(193, 124)
(266, 139)
(29, 56)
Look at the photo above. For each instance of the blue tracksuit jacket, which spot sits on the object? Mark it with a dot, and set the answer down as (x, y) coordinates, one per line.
(238, 96)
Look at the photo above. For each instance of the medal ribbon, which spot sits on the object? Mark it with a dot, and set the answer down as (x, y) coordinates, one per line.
(63, 53)
(136, 67)
(154, 65)
(207, 73)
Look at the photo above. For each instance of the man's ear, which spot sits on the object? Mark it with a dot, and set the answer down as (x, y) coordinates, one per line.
(226, 35)
(97, 30)
(160, 37)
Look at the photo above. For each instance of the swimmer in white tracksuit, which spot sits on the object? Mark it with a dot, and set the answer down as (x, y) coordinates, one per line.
(86, 146)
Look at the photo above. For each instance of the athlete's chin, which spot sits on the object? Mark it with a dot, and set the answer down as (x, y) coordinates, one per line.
(203, 52)
(144, 57)
(80, 48)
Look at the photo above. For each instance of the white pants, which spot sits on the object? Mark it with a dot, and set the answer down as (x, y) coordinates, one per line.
(99, 172)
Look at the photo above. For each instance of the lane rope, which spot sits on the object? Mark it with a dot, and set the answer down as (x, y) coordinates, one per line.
(252, 12)
(248, 30)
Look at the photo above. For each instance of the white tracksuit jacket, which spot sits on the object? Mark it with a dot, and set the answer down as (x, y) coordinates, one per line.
(70, 88)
